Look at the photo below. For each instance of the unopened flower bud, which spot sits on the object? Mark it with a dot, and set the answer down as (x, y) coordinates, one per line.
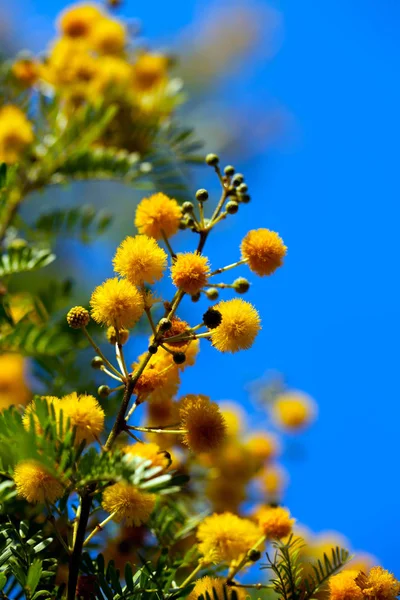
(165, 324)
(179, 357)
(212, 160)
(202, 195)
(78, 317)
(242, 188)
(245, 198)
(195, 297)
(153, 348)
(112, 335)
(212, 293)
(187, 207)
(212, 318)
(103, 391)
(232, 207)
(97, 362)
(241, 285)
(254, 555)
(229, 170)
(237, 179)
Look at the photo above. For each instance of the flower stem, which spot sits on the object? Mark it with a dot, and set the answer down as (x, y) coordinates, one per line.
(100, 353)
(232, 266)
(98, 528)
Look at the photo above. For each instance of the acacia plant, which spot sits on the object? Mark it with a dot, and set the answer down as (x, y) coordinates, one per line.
(112, 485)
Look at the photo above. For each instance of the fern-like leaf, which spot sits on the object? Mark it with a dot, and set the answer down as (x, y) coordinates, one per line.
(83, 221)
(35, 340)
(323, 571)
(18, 260)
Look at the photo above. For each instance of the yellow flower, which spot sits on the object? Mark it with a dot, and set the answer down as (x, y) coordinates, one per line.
(239, 326)
(273, 480)
(78, 317)
(108, 36)
(13, 388)
(160, 378)
(158, 214)
(234, 461)
(225, 494)
(264, 251)
(177, 328)
(140, 259)
(113, 74)
(85, 413)
(293, 410)
(211, 584)
(78, 21)
(263, 446)
(153, 452)
(16, 133)
(234, 416)
(190, 272)
(343, 586)
(380, 585)
(129, 504)
(26, 71)
(226, 537)
(203, 422)
(149, 71)
(275, 522)
(35, 483)
(116, 302)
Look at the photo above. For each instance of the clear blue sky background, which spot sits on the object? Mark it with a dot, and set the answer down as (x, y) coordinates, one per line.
(330, 317)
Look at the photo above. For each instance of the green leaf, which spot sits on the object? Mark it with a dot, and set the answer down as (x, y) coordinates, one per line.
(3, 580)
(3, 175)
(84, 222)
(18, 260)
(34, 574)
(35, 340)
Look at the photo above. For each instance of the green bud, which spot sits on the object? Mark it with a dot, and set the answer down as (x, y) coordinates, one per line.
(242, 188)
(153, 348)
(212, 293)
(232, 207)
(103, 391)
(97, 362)
(212, 160)
(229, 170)
(254, 555)
(195, 297)
(238, 179)
(202, 195)
(165, 324)
(187, 207)
(179, 357)
(245, 198)
(241, 285)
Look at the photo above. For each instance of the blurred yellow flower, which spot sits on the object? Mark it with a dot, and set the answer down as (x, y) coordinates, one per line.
(203, 423)
(13, 387)
(293, 410)
(149, 71)
(275, 522)
(16, 133)
(77, 21)
(108, 36)
(344, 587)
(85, 414)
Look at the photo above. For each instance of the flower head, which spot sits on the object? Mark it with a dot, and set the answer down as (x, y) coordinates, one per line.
(78, 21)
(129, 504)
(225, 537)
(203, 422)
(16, 133)
(25, 71)
(273, 480)
(264, 251)
(85, 414)
(108, 36)
(293, 410)
(78, 317)
(116, 302)
(160, 378)
(35, 483)
(158, 214)
(344, 587)
(239, 326)
(177, 327)
(379, 584)
(214, 584)
(13, 387)
(190, 272)
(140, 259)
(263, 446)
(150, 451)
(275, 522)
(149, 71)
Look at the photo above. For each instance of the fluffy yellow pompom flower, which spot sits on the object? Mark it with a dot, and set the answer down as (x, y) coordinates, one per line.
(158, 214)
(16, 133)
(273, 480)
(150, 451)
(263, 446)
(211, 584)
(149, 71)
(190, 272)
(264, 251)
(160, 376)
(108, 36)
(13, 388)
(234, 416)
(293, 410)
(78, 21)
(129, 504)
(344, 587)
(26, 71)
(379, 584)
(204, 424)
(275, 522)
(35, 483)
(85, 413)
(116, 302)
(225, 537)
(140, 259)
(239, 326)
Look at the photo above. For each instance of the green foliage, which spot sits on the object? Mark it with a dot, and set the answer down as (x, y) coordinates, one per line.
(25, 258)
(83, 222)
(35, 340)
(323, 570)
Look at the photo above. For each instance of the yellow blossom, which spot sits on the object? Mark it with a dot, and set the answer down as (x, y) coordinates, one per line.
(379, 585)
(160, 378)
(217, 585)
(35, 483)
(273, 480)
(85, 414)
(26, 71)
(264, 251)
(129, 504)
(108, 36)
(178, 327)
(275, 522)
(78, 21)
(150, 451)
(263, 446)
(344, 587)
(190, 272)
(149, 70)
(234, 416)
(117, 302)
(158, 214)
(239, 326)
(203, 422)
(13, 388)
(226, 537)
(140, 259)
(293, 410)
(16, 133)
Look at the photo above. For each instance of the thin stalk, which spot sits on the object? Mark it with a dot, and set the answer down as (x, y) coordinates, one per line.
(169, 247)
(119, 353)
(155, 430)
(192, 574)
(245, 559)
(105, 370)
(220, 204)
(99, 352)
(99, 527)
(228, 267)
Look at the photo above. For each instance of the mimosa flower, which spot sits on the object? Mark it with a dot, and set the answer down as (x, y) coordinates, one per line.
(190, 271)
(85, 413)
(264, 251)
(35, 483)
(116, 302)
(239, 326)
(203, 422)
(140, 259)
(129, 504)
(275, 522)
(158, 214)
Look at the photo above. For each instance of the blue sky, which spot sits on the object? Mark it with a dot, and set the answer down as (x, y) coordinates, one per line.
(330, 316)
